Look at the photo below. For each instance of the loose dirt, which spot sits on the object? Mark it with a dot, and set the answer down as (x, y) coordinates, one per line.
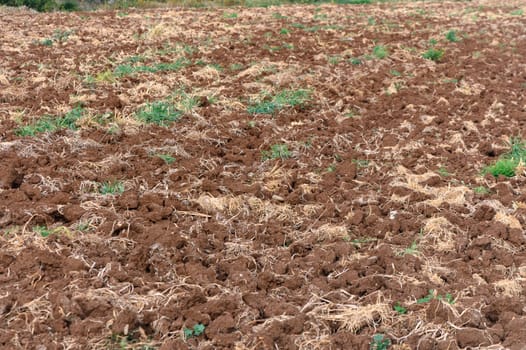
(376, 222)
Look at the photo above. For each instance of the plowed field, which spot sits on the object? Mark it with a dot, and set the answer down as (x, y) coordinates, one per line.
(295, 177)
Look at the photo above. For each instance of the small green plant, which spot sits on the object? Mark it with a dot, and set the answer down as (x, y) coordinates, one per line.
(380, 52)
(61, 35)
(195, 331)
(506, 167)
(277, 151)
(396, 73)
(433, 41)
(443, 172)
(380, 342)
(112, 187)
(331, 168)
(518, 12)
(284, 31)
(334, 60)
(42, 231)
(46, 42)
(433, 295)
(159, 113)
(355, 61)
(433, 54)
(278, 15)
(508, 163)
(361, 163)
(399, 309)
(52, 124)
(168, 159)
(357, 242)
(230, 15)
(452, 36)
(285, 98)
(353, 2)
(236, 66)
(481, 190)
(411, 250)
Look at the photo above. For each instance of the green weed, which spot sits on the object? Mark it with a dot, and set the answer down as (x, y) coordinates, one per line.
(52, 124)
(159, 113)
(432, 295)
(508, 163)
(353, 2)
(285, 98)
(361, 163)
(399, 309)
(277, 151)
(433, 54)
(443, 172)
(195, 331)
(518, 12)
(380, 52)
(506, 167)
(411, 250)
(380, 342)
(168, 159)
(61, 35)
(112, 187)
(481, 190)
(452, 36)
(334, 60)
(128, 69)
(42, 231)
(46, 42)
(355, 61)
(230, 15)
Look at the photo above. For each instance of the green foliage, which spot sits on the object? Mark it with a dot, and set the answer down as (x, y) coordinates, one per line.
(46, 42)
(504, 167)
(380, 52)
(195, 331)
(361, 163)
(128, 69)
(52, 124)
(399, 309)
(285, 98)
(61, 35)
(433, 54)
(277, 151)
(380, 342)
(481, 190)
(160, 113)
(443, 172)
(69, 6)
(353, 2)
(452, 36)
(508, 163)
(432, 295)
(411, 250)
(355, 61)
(168, 159)
(42, 231)
(231, 15)
(111, 187)
(39, 5)
(518, 12)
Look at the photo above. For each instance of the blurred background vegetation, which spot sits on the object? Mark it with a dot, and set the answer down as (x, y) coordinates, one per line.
(76, 5)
